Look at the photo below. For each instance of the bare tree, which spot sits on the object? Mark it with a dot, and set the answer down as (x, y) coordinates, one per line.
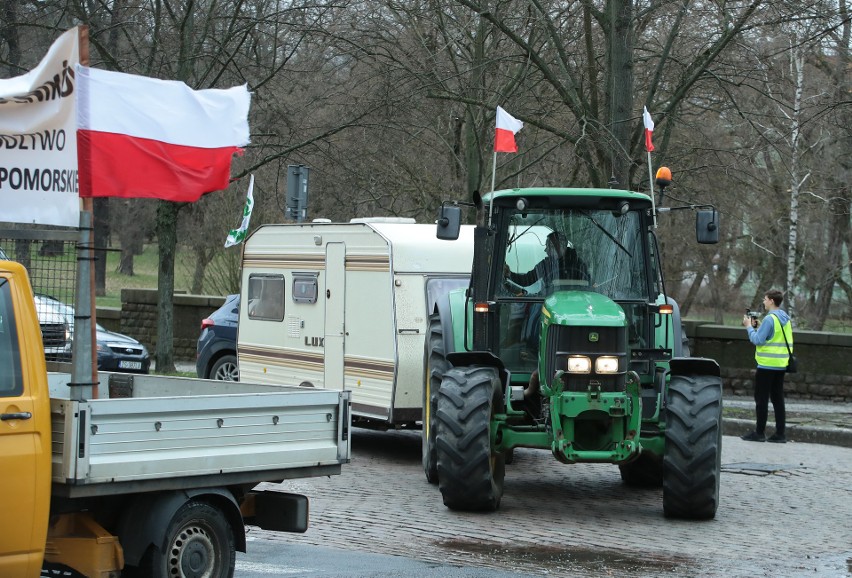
(391, 104)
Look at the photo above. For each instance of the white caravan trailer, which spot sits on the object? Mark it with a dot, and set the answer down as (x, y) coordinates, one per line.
(346, 306)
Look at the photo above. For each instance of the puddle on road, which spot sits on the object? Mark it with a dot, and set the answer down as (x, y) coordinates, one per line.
(569, 560)
(756, 469)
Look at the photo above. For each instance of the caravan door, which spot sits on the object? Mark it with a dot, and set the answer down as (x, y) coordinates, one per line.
(335, 298)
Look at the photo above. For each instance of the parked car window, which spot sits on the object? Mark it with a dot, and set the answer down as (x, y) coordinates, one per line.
(266, 297)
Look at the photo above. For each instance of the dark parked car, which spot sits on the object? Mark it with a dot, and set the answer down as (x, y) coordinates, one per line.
(217, 344)
(116, 352)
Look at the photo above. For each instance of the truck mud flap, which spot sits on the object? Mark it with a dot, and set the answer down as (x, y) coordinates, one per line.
(277, 511)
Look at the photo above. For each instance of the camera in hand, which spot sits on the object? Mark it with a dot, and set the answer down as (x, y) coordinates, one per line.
(753, 316)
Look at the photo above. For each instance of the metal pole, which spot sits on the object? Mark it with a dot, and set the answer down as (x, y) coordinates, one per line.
(493, 180)
(651, 184)
(84, 376)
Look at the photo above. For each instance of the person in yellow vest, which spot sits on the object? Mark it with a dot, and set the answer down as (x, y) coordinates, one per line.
(771, 354)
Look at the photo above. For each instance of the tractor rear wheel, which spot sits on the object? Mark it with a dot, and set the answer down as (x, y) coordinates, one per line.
(436, 366)
(692, 461)
(470, 475)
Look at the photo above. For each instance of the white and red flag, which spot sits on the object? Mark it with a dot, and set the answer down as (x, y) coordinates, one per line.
(144, 137)
(507, 127)
(649, 129)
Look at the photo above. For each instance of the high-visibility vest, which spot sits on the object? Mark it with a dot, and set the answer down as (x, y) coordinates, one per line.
(774, 352)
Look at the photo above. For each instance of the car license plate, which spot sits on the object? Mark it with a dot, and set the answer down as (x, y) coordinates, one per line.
(130, 365)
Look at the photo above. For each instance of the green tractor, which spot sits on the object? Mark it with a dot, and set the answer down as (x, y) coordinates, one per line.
(566, 340)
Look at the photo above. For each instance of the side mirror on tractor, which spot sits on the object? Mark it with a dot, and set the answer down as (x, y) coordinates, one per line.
(449, 222)
(706, 226)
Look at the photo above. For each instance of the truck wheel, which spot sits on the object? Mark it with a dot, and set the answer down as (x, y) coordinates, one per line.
(436, 366)
(225, 369)
(646, 471)
(199, 543)
(470, 475)
(692, 461)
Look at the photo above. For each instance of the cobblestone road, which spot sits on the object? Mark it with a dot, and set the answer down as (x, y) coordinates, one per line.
(786, 510)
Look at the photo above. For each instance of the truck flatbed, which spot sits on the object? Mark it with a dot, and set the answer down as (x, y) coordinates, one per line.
(160, 433)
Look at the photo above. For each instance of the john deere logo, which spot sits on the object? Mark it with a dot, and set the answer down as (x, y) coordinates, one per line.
(593, 337)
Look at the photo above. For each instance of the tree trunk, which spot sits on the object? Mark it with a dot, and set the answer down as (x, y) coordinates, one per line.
(9, 36)
(691, 294)
(167, 213)
(101, 217)
(203, 256)
(125, 263)
(129, 236)
(473, 154)
(797, 65)
(620, 16)
(101, 204)
(22, 252)
(838, 230)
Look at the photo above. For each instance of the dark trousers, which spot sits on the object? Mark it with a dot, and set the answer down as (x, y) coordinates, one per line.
(769, 385)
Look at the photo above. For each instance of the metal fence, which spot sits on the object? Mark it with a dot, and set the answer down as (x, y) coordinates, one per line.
(50, 257)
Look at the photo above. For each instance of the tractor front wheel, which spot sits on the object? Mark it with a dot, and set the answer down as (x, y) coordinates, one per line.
(692, 461)
(470, 474)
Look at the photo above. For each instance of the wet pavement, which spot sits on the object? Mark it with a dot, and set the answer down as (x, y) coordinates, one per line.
(811, 421)
(784, 511)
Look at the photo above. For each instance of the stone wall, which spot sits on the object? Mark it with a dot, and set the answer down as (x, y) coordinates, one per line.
(825, 361)
(140, 313)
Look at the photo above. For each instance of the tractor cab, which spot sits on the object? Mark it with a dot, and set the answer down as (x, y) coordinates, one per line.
(576, 267)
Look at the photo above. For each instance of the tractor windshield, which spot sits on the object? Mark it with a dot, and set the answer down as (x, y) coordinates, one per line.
(575, 249)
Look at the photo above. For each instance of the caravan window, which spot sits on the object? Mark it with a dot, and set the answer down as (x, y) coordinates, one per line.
(266, 297)
(305, 288)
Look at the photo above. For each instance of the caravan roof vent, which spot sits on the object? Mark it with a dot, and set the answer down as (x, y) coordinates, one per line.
(321, 220)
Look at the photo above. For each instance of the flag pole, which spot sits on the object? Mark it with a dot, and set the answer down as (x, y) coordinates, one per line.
(493, 180)
(651, 184)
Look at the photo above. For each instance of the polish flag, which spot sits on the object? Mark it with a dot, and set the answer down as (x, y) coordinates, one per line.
(649, 129)
(507, 126)
(144, 137)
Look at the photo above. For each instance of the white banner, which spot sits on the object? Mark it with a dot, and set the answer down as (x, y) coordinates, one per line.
(38, 140)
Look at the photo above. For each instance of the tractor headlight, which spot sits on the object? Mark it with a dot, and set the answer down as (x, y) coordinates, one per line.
(606, 364)
(579, 364)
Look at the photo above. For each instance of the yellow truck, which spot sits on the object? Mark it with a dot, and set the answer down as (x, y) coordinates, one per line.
(153, 476)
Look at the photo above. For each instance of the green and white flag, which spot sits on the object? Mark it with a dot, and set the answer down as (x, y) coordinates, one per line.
(237, 236)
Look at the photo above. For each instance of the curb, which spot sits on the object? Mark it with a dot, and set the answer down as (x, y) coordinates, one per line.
(804, 434)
